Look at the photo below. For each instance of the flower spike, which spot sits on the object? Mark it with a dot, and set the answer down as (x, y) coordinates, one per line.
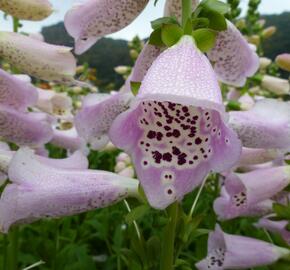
(175, 130)
(39, 190)
(93, 19)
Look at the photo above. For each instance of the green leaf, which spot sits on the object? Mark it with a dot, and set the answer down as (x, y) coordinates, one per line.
(204, 38)
(170, 34)
(216, 20)
(200, 23)
(155, 38)
(135, 86)
(233, 105)
(164, 20)
(137, 213)
(215, 5)
(282, 211)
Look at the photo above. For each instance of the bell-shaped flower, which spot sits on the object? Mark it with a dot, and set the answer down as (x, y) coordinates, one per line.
(266, 125)
(252, 156)
(234, 60)
(246, 190)
(93, 19)
(98, 111)
(265, 62)
(69, 139)
(24, 128)
(173, 8)
(16, 94)
(39, 59)
(144, 61)
(31, 10)
(227, 251)
(276, 85)
(40, 190)
(283, 61)
(275, 226)
(175, 129)
(246, 102)
(57, 104)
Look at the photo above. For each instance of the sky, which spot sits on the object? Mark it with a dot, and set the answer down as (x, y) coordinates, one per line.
(140, 26)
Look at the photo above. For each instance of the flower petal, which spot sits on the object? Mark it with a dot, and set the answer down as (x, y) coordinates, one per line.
(175, 131)
(144, 62)
(93, 19)
(39, 191)
(243, 193)
(36, 58)
(69, 139)
(15, 93)
(24, 128)
(32, 10)
(238, 252)
(234, 60)
(94, 120)
(267, 125)
(173, 8)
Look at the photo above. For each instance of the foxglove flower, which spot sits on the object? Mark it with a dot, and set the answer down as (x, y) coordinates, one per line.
(275, 226)
(39, 190)
(16, 94)
(276, 85)
(39, 59)
(58, 104)
(175, 130)
(93, 19)
(234, 60)
(266, 125)
(252, 156)
(69, 139)
(32, 10)
(98, 111)
(24, 128)
(227, 251)
(264, 62)
(247, 190)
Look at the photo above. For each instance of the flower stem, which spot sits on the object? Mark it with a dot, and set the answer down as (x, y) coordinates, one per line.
(186, 11)
(167, 252)
(13, 250)
(15, 24)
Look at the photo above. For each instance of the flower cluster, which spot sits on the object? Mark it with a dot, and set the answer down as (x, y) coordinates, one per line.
(174, 130)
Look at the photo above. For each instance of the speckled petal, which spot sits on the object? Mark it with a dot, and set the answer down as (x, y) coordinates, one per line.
(238, 252)
(39, 191)
(144, 62)
(69, 139)
(93, 19)
(275, 226)
(234, 60)
(173, 8)
(252, 156)
(94, 120)
(32, 10)
(267, 125)
(243, 192)
(15, 93)
(39, 59)
(174, 130)
(24, 128)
